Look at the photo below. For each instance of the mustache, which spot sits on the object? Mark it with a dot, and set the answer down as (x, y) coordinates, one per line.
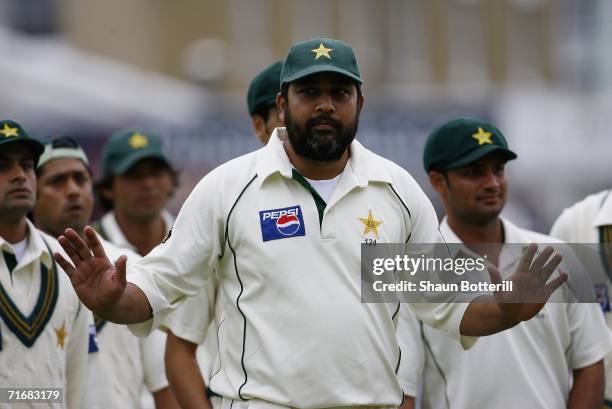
(323, 119)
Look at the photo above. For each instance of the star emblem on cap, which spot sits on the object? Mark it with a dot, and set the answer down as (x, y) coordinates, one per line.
(482, 136)
(370, 224)
(138, 141)
(9, 131)
(61, 335)
(322, 52)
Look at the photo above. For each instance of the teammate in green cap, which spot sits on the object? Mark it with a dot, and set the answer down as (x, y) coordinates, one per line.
(281, 228)
(44, 328)
(261, 101)
(465, 159)
(137, 183)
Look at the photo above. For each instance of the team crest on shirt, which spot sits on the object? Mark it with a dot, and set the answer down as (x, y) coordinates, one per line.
(281, 223)
(601, 292)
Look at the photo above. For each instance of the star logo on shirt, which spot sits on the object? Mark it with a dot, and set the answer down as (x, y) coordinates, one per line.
(61, 335)
(370, 224)
(9, 131)
(138, 141)
(482, 136)
(322, 52)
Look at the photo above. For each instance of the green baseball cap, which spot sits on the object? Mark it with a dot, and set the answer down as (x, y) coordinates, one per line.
(319, 55)
(128, 146)
(263, 89)
(12, 132)
(461, 141)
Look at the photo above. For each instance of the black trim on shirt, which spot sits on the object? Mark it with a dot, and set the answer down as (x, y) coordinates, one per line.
(246, 377)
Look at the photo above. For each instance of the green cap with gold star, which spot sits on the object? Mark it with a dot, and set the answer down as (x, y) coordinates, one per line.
(319, 55)
(128, 146)
(461, 141)
(12, 132)
(263, 89)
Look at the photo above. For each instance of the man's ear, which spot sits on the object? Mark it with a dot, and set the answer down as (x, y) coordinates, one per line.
(438, 182)
(259, 127)
(281, 106)
(360, 102)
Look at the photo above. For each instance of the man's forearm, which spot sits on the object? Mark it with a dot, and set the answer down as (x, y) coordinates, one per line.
(484, 317)
(133, 307)
(184, 373)
(588, 388)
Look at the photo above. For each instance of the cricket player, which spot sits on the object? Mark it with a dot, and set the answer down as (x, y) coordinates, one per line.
(281, 228)
(44, 328)
(527, 366)
(65, 199)
(137, 182)
(590, 221)
(191, 325)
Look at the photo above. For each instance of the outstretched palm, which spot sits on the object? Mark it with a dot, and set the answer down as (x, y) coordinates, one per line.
(96, 281)
(530, 287)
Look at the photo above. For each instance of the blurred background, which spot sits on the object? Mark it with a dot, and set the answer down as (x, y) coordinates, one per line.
(541, 70)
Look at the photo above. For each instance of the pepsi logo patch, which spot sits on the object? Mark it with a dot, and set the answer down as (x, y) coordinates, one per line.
(282, 223)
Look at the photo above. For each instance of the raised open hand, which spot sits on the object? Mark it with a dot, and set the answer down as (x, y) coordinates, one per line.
(96, 281)
(530, 287)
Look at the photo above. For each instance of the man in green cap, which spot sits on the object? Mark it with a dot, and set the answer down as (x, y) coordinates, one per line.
(131, 368)
(137, 182)
(44, 328)
(261, 101)
(191, 348)
(281, 229)
(465, 159)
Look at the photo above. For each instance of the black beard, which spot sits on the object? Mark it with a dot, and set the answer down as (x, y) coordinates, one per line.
(322, 146)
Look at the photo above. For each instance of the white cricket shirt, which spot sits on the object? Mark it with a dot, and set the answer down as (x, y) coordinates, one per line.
(581, 223)
(44, 329)
(527, 366)
(294, 331)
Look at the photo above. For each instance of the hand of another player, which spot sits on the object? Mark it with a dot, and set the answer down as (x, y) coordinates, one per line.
(96, 281)
(530, 287)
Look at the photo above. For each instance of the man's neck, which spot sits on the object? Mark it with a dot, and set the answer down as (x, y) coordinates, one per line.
(484, 238)
(13, 229)
(316, 170)
(144, 234)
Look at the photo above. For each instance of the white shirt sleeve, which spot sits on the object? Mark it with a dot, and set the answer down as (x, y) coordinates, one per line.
(412, 361)
(180, 266)
(191, 320)
(77, 357)
(424, 229)
(152, 350)
(590, 336)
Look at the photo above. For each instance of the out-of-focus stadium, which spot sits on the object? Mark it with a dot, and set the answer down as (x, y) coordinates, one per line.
(541, 70)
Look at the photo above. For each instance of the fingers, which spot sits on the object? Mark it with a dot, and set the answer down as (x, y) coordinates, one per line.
(555, 283)
(74, 256)
(94, 242)
(494, 274)
(541, 259)
(527, 259)
(550, 267)
(79, 245)
(121, 268)
(64, 264)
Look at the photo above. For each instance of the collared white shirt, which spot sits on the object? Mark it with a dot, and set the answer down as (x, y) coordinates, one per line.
(113, 233)
(43, 307)
(140, 362)
(580, 224)
(527, 366)
(294, 331)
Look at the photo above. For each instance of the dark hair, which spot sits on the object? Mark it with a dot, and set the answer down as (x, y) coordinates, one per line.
(263, 111)
(106, 183)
